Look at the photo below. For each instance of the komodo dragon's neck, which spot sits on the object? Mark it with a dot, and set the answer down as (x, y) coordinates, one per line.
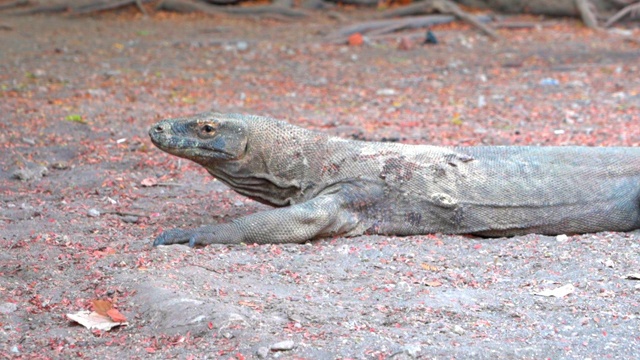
(276, 166)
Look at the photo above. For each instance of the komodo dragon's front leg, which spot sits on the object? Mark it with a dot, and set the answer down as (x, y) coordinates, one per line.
(322, 216)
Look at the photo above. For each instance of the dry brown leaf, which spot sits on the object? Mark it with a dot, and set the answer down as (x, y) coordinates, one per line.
(116, 316)
(429, 267)
(102, 307)
(94, 321)
(355, 39)
(149, 182)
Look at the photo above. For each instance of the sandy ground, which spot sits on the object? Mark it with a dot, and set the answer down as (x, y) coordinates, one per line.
(77, 96)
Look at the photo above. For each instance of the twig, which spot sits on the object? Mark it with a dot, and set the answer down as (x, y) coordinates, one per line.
(169, 184)
(207, 268)
(123, 213)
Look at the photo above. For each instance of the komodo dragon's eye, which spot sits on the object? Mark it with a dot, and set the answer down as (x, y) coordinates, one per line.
(208, 129)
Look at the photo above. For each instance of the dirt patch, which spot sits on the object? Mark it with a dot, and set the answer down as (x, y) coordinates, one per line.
(78, 95)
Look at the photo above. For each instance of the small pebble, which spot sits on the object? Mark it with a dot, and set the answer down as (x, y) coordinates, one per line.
(93, 213)
(283, 345)
(549, 82)
(7, 308)
(242, 45)
(386, 92)
(129, 219)
(457, 329)
(262, 352)
(413, 350)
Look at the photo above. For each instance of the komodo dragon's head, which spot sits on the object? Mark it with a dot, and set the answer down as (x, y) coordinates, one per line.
(263, 158)
(206, 138)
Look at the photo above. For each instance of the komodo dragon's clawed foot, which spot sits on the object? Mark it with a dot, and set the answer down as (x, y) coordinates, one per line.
(205, 235)
(175, 236)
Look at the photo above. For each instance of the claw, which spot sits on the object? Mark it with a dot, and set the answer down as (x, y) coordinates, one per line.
(158, 241)
(173, 236)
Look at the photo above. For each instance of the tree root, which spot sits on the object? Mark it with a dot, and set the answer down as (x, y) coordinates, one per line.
(379, 27)
(183, 6)
(443, 7)
(632, 9)
(109, 5)
(587, 14)
(14, 4)
(85, 9)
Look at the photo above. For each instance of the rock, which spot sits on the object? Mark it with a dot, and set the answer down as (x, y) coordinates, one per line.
(242, 45)
(413, 350)
(30, 172)
(549, 82)
(262, 352)
(7, 308)
(129, 219)
(386, 92)
(457, 329)
(283, 345)
(93, 213)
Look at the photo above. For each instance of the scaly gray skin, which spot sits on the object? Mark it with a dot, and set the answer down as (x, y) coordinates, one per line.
(326, 186)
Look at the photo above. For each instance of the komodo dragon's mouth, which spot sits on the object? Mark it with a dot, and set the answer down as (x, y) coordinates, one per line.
(164, 138)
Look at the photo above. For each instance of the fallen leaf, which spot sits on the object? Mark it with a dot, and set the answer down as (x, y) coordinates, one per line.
(75, 118)
(101, 306)
(429, 267)
(116, 316)
(147, 182)
(562, 291)
(356, 39)
(94, 321)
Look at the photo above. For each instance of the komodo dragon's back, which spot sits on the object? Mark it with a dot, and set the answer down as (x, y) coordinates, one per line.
(326, 186)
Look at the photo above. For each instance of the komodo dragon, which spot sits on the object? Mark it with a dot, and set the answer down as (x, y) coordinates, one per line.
(325, 186)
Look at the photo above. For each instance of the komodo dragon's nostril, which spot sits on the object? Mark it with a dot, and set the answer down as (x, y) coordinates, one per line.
(159, 128)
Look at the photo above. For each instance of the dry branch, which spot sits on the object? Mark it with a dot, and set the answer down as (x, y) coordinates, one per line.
(13, 4)
(106, 6)
(586, 13)
(443, 7)
(395, 24)
(188, 7)
(629, 9)
(46, 9)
